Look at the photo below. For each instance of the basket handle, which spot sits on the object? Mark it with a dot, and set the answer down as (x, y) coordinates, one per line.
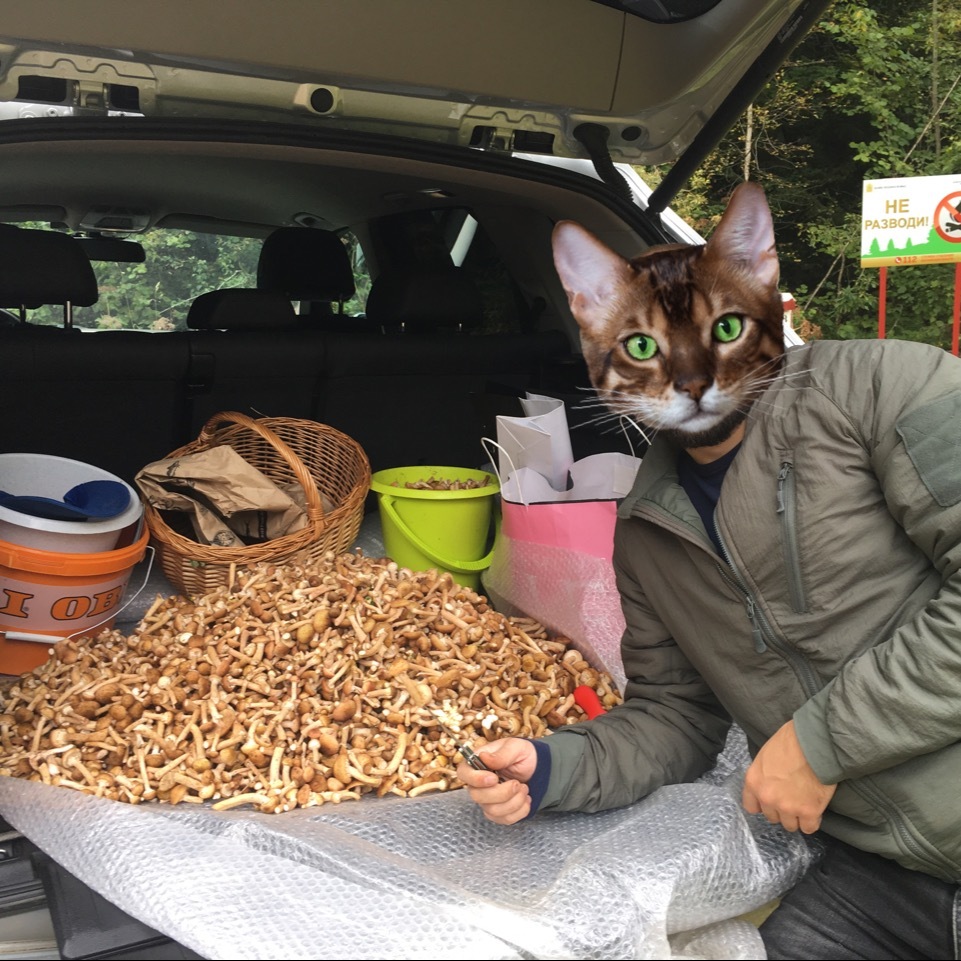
(315, 508)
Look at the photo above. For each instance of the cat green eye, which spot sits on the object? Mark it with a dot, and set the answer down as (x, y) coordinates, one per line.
(640, 346)
(728, 328)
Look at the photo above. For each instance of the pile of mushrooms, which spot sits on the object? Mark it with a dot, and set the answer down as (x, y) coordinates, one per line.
(291, 686)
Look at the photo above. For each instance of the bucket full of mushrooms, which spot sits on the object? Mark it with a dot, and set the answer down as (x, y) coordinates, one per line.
(291, 686)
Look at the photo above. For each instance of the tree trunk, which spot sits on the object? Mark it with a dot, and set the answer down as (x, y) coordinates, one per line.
(748, 135)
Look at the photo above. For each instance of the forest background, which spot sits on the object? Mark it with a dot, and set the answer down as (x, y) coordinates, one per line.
(873, 91)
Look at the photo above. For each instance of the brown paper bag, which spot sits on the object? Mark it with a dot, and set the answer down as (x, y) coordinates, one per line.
(228, 501)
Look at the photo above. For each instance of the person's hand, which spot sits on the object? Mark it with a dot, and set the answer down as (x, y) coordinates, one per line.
(503, 802)
(781, 785)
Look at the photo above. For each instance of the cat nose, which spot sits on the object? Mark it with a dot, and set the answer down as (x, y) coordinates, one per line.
(692, 385)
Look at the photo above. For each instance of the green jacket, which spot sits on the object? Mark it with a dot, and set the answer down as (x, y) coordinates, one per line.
(838, 604)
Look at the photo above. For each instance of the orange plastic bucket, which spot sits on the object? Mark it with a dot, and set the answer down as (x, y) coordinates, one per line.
(45, 595)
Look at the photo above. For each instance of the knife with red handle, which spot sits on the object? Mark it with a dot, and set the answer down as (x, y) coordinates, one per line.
(587, 700)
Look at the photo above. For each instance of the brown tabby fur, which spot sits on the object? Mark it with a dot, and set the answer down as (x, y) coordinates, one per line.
(695, 388)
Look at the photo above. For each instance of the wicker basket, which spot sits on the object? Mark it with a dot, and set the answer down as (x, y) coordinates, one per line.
(319, 458)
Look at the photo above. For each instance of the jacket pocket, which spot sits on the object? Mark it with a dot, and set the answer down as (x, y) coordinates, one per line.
(906, 812)
(787, 515)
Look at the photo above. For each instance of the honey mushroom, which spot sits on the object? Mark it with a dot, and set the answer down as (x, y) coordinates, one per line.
(290, 687)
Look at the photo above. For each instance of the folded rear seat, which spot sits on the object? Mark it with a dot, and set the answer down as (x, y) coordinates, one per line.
(421, 394)
(251, 352)
(113, 398)
(110, 398)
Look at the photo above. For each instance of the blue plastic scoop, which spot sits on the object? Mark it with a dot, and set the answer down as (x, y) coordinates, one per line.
(97, 499)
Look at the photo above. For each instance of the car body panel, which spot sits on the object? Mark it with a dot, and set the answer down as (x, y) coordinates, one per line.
(492, 73)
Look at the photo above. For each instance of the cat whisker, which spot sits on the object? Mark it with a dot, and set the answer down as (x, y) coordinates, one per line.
(775, 361)
(618, 429)
(759, 387)
(797, 373)
(624, 422)
(771, 364)
(596, 402)
(599, 410)
(757, 398)
(765, 381)
(611, 421)
(592, 403)
(770, 405)
(605, 423)
(618, 405)
(633, 423)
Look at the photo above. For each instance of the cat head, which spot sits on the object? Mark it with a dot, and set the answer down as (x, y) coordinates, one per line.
(682, 339)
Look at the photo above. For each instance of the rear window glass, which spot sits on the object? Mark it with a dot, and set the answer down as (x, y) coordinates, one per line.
(452, 236)
(358, 261)
(179, 266)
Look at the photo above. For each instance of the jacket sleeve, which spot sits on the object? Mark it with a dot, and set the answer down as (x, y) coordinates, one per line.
(899, 699)
(668, 730)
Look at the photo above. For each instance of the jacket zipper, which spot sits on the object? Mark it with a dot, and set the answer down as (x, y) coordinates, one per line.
(761, 632)
(787, 509)
(764, 636)
(751, 609)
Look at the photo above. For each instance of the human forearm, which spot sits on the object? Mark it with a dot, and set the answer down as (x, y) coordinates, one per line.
(669, 728)
(631, 750)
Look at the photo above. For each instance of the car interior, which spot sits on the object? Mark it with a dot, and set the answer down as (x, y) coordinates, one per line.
(416, 375)
(396, 206)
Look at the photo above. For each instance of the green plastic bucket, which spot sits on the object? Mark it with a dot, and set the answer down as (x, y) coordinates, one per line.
(446, 530)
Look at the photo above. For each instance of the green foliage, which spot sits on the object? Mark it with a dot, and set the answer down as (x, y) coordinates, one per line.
(358, 262)
(856, 102)
(179, 266)
(156, 295)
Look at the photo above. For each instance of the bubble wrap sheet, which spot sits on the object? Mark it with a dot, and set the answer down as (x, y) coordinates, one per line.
(570, 593)
(429, 877)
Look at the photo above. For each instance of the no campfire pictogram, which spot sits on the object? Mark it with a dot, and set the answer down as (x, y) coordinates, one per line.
(947, 217)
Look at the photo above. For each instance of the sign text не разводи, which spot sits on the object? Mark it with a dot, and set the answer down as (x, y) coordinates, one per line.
(911, 220)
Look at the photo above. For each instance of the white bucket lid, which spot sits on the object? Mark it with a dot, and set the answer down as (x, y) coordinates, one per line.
(48, 475)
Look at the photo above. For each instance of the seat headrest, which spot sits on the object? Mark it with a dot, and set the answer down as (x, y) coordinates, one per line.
(39, 267)
(304, 263)
(432, 299)
(242, 308)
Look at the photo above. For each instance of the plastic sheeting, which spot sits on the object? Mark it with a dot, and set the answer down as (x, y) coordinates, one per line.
(429, 877)
(570, 592)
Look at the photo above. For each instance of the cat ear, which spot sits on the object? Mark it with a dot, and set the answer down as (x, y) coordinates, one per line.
(746, 233)
(590, 272)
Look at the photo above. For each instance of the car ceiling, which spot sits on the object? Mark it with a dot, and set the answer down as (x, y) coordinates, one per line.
(249, 188)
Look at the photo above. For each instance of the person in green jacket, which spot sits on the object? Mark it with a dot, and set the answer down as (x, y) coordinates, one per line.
(793, 567)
